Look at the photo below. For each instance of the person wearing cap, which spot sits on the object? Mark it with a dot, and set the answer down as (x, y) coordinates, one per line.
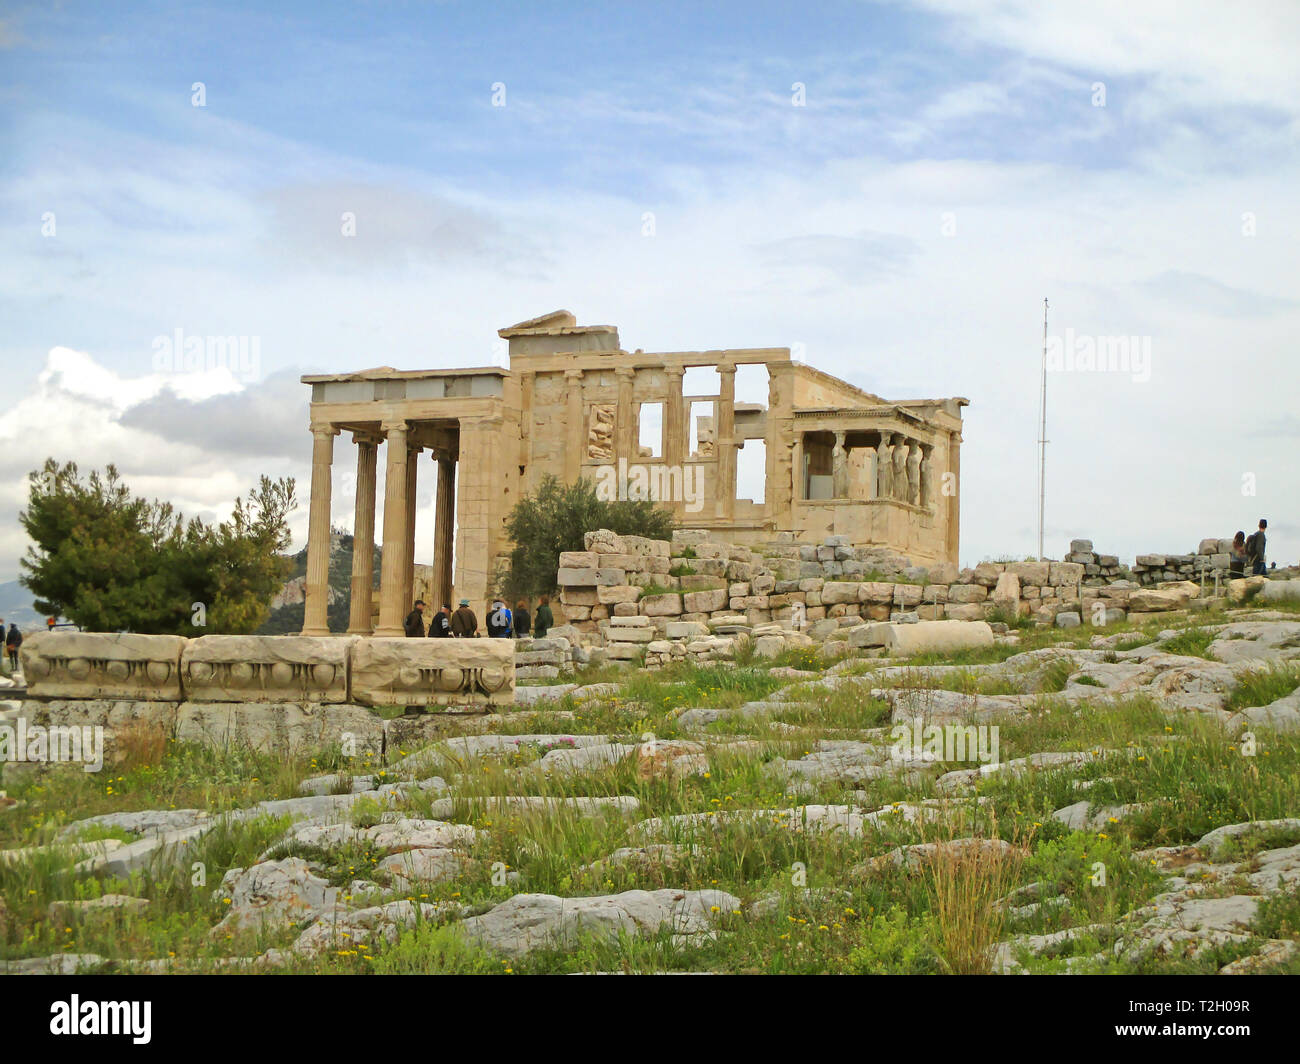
(464, 625)
(414, 623)
(440, 626)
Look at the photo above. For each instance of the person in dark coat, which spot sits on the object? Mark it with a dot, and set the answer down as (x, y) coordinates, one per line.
(464, 625)
(414, 623)
(12, 642)
(523, 623)
(440, 626)
(1256, 550)
(544, 620)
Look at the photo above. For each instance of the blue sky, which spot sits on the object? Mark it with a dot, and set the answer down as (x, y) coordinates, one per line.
(950, 167)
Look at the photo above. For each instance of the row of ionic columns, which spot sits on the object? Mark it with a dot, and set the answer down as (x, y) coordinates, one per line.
(398, 562)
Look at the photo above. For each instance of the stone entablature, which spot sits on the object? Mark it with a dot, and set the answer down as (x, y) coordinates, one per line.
(121, 665)
(371, 671)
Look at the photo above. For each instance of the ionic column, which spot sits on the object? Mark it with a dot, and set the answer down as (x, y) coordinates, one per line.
(954, 497)
(444, 523)
(363, 536)
(391, 591)
(408, 557)
(726, 444)
(316, 592)
(576, 451)
(674, 417)
(778, 490)
(624, 442)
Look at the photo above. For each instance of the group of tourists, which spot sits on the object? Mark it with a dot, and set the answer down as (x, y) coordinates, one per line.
(462, 623)
(1248, 552)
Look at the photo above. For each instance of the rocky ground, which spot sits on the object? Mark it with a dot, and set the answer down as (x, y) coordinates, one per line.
(1142, 815)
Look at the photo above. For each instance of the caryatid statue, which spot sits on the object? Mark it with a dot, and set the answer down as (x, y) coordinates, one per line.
(884, 469)
(927, 474)
(914, 474)
(839, 469)
(900, 469)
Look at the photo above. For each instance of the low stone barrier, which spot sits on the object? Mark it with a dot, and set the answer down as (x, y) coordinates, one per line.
(425, 672)
(116, 665)
(228, 669)
(266, 668)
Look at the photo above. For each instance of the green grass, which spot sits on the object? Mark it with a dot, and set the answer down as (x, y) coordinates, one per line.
(1264, 686)
(829, 909)
(1193, 642)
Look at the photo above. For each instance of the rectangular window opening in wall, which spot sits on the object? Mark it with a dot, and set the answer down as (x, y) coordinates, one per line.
(702, 380)
(818, 456)
(703, 430)
(751, 471)
(752, 384)
(650, 430)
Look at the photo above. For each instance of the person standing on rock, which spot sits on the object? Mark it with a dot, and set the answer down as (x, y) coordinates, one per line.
(414, 623)
(440, 626)
(1255, 550)
(1237, 557)
(12, 642)
(544, 620)
(464, 625)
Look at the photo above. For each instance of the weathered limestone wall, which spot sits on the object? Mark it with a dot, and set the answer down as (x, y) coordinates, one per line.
(631, 594)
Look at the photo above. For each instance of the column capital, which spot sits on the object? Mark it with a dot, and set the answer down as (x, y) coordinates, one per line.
(625, 372)
(390, 427)
(443, 454)
(324, 428)
(373, 438)
(675, 371)
(573, 374)
(727, 368)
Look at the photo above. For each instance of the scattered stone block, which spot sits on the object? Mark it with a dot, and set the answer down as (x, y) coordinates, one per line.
(266, 668)
(114, 665)
(423, 672)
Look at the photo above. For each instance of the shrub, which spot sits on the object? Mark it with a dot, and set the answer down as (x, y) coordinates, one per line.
(894, 944)
(556, 518)
(428, 950)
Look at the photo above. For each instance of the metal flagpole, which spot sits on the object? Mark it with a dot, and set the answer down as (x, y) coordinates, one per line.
(1042, 437)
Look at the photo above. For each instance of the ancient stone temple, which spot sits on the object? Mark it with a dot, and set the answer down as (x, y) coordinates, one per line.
(832, 459)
